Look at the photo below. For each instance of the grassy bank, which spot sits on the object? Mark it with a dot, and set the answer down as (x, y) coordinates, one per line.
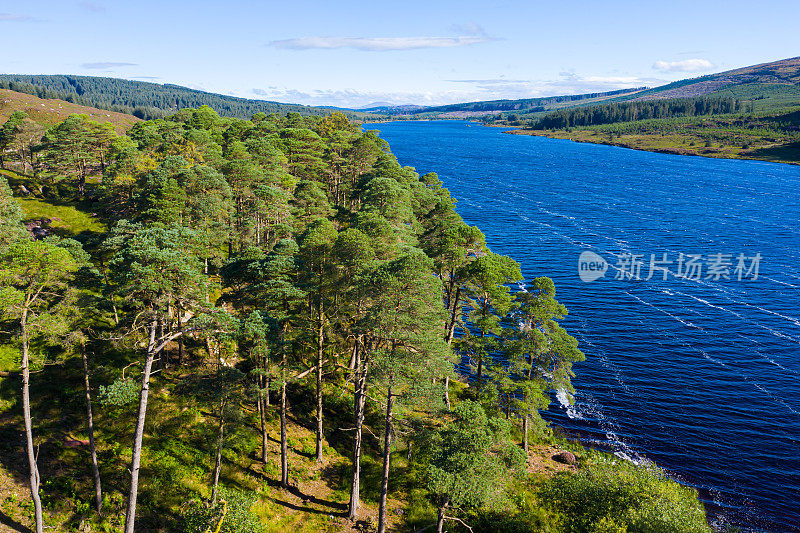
(763, 137)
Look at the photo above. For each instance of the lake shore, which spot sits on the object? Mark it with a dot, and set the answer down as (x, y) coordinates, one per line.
(676, 144)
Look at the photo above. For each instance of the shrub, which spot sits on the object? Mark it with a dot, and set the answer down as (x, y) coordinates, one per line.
(233, 508)
(611, 496)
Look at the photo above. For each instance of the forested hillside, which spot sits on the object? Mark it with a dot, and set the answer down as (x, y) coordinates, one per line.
(785, 72)
(524, 105)
(143, 99)
(747, 113)
(218, 324)
(631, 111)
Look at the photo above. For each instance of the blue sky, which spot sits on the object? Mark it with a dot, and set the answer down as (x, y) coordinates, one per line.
(425, 52)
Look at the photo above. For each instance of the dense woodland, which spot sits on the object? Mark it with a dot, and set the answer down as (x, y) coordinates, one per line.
(524, 104)
(139, 98)
(264, 277)
(637, 110)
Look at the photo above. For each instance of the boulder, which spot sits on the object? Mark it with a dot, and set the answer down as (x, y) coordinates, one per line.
(565, 457)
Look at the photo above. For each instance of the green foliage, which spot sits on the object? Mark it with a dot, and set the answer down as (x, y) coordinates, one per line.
(119, 393)
(241, 254)
(233, 513)
(11, 228)
(142, 99)
(620, 496)
(468, 460)
(640, 110)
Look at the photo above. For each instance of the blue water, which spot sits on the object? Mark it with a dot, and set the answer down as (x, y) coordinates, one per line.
(702, 377)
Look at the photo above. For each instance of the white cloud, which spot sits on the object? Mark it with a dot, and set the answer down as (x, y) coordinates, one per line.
(107, 64)
(92, 6)
(13, 17)
(686, 65)
(461, 90)
(378, 44)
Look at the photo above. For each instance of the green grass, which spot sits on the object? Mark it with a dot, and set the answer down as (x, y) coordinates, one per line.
(761, 135)
(764, 96)
(67, 220)
(9, 358)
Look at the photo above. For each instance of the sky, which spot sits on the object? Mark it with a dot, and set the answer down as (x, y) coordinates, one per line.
(353, 54)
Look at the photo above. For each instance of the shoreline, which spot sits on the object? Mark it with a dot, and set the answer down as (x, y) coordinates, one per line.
(595, 138)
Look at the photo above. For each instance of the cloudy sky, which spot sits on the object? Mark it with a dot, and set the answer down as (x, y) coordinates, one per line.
(423, 52)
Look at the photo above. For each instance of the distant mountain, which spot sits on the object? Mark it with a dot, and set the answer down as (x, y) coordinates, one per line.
(393, 109)
(496, 107)
(144, 99)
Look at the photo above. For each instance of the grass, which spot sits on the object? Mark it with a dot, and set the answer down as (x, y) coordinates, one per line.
(51, 112)
(760, 136)
(67, 220)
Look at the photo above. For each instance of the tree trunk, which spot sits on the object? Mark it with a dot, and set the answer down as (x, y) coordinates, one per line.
(451, 327)
(136, 454)
(359, 403)
(262, 410)
(284, 436)
(320, 346)
(525, 433)
(98, 490)
(111, 297)
(387, 447)
(26, 414)
(440, 519)
(447, 392)
(218, 461)
(179, 312)
(479, 373)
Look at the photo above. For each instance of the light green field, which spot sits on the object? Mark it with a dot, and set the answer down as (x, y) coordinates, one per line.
(65, 219)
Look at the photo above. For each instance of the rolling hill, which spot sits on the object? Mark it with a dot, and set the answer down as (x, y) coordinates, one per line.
(497, 107)
(784, 73)
(746, 113)
(48, 112)
(144, 99)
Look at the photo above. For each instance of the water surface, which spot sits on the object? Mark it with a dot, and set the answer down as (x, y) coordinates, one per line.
(701, 376)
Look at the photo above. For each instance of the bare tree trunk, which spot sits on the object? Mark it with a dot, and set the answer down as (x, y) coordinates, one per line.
(440, 519)
(320, 346)
(387, 448)
(218, 461)
(359, 403)
(262, 410)
(447, 392)
(136, 454)
(179, 312)
(451, 326)
(111, 297)
(284, 436)
(525, 433)
(98, 490)
(26, 414)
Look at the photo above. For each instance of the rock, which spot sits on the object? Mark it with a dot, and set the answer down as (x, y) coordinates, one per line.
(74, 443)
(565, 457)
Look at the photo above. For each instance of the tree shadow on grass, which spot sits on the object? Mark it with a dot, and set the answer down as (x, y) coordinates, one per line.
(784, 153)
(337, 508)
(13, 524)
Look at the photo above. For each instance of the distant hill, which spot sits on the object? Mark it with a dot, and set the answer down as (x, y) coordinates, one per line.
(48, 112)
(785, 72)
(496, 107)
(144, 99)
